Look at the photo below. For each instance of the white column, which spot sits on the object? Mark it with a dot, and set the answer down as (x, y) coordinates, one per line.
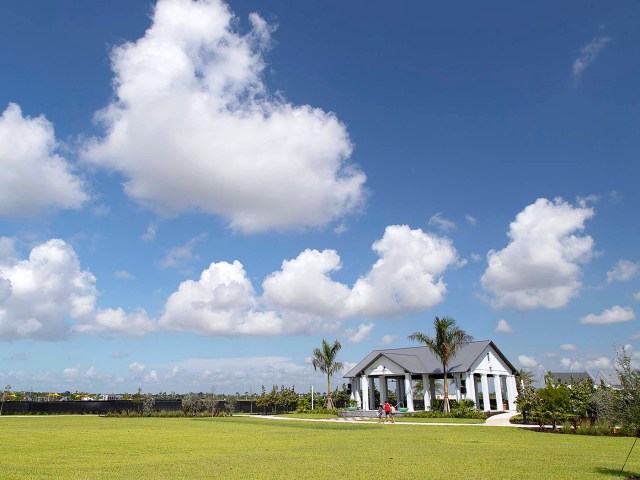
(364, 381)
(458, 382)
(383, 389)
(356, 392)
(398, 391)
(512, 392)
(427, 392)
(469, 383)
(497, 384)
(408, 386)
(372, 394)
(485, 392)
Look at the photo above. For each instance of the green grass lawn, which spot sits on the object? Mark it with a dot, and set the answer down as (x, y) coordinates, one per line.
(247, 448)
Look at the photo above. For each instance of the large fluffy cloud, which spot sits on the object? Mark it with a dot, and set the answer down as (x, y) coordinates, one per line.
(541, 265)
(39, 294)
(48, 295)
(27, 156)
(304, 285)
(303, 296)
(221, 302)
(193, 127)
(407, 276)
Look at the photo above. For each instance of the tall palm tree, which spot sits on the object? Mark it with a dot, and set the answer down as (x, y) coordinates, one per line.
(446, 343)
(324, 359)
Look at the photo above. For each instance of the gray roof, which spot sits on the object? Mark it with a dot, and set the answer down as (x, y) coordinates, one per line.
(569, 377)
(420, 360)
(610, 379)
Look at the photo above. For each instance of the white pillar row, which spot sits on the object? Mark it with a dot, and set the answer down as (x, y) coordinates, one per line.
(408, 386)
(485, 392)
(469, 383)
(497, 383)
(427, 392)
(364, 381)
(383, 389)
(512, 392)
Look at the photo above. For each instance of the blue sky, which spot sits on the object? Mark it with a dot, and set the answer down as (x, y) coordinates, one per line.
(196, 194)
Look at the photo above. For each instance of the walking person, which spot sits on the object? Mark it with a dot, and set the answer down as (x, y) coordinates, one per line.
(380, 414)
(387, 411)
(393, 414)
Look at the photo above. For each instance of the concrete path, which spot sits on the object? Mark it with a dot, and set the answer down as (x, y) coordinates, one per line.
(500, 420)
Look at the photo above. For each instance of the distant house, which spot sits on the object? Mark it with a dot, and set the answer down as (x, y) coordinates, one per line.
(110, 396)
(610, 380)
(567, 378)
(479, 372)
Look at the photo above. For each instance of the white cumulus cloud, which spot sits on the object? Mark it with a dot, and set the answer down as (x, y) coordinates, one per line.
(600, 362)
(193, 127)
(623, 271)
(568, 347)
(48, 295)
(615, 314)
(302, 296)
(304, 285)
(356, 335)
(387, 339)
(38, 294)
(27, 156)
(117, 321)
(504, 327)
(541, 265)
(527, 361)
(407, 276)
(221, 302)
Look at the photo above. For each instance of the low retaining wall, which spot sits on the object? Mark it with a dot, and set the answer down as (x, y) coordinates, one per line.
(96, 407)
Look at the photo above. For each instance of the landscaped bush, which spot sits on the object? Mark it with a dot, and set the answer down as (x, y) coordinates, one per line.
(318, 411)
(458, 414)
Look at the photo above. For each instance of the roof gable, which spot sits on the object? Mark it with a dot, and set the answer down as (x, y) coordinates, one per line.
(420, 360)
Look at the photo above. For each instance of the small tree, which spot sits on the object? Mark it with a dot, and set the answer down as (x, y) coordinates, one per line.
(527, 401)
(5, 394)
(324, 359)
(148, 405)
(622, 407)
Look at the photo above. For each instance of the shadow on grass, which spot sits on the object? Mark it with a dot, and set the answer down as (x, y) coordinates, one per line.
(615, 472)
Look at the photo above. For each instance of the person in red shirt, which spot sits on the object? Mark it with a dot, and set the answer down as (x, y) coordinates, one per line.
(387, 411)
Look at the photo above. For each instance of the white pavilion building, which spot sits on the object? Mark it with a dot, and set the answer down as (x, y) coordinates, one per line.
(479, 372)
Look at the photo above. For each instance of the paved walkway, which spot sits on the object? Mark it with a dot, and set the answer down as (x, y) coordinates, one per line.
(500, 420)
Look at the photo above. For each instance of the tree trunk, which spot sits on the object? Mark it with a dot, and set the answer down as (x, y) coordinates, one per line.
(445, 405)
(329, 404)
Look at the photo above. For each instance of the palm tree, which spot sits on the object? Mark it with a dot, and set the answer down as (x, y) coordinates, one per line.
(324, 359)
(525, 378)
(446, 343)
